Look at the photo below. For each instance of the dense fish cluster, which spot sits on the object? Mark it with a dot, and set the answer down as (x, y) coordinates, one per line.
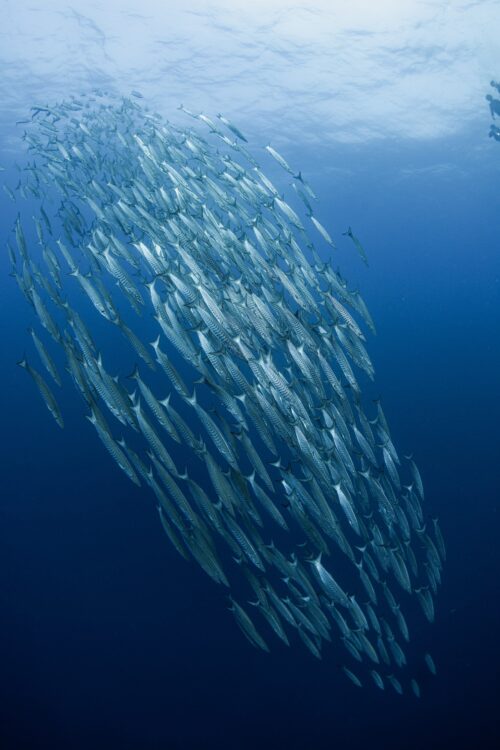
(173, 259)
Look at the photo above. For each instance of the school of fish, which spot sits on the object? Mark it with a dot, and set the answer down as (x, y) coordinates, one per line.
(239, 347)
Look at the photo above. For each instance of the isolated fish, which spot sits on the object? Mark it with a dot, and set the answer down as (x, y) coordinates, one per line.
(429, 661)
(353, 678)
(357, 244)
(45, 392)
(277, 157)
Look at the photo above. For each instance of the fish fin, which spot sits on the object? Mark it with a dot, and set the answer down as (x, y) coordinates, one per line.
(92, 417)
(134, 375)
(192, 399)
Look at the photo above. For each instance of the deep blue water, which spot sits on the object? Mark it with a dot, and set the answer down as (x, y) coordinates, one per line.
(109, 639)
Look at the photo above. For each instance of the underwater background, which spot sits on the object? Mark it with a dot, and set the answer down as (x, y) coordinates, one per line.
(110, 639)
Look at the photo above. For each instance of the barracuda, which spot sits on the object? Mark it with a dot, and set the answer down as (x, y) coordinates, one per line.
(166, 231)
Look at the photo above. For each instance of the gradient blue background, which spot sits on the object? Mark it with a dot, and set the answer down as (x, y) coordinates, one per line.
(108, 639)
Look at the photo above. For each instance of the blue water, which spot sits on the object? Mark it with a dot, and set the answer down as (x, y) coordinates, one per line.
(107, 637)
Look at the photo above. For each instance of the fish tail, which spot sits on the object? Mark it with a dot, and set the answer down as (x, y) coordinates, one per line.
(134, 375)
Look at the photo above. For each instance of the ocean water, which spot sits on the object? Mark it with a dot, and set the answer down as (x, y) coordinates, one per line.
(109, 638)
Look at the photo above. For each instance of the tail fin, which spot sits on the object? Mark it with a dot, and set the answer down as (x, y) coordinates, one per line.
(192, 399)
(134, 375)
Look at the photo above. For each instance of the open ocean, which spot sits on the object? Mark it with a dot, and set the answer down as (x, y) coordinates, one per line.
(108, 638)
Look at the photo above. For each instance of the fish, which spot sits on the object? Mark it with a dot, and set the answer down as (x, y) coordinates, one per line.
(237, 132)
(237, 402)
(429, 661)
(247, 626)
(395, 683)
(357, 244)
(353, 678)
(329, 584)
(112, 446)
(415, 687)
(45, 357)
(45, 392)
(278, 158)
(377, 679)
(323, 232)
